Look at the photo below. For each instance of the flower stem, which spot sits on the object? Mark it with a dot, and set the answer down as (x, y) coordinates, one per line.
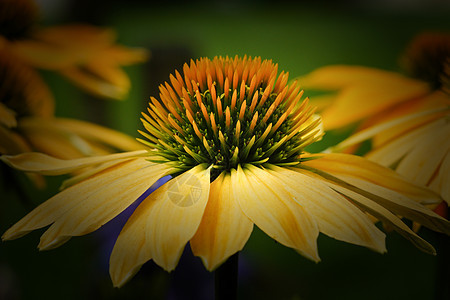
(226, 279)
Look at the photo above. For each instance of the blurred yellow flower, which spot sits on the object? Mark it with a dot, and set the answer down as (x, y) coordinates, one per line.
(27, 121)
(406, 119)
(232, 134)
(86, 55)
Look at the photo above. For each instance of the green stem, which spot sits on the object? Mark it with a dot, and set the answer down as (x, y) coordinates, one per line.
(226, 279)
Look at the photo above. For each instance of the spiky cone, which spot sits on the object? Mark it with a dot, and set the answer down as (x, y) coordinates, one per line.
(232, 134)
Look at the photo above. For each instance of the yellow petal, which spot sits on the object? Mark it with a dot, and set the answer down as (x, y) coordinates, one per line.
(390, 153)
(388, 126)
(132, 248)
(94, 84)
(440, 182)
(356, 83)
(420, 164)
(53, 141)
(335, 215)
(110, 72)
(52, 209)
(352, 166)
(267, 204)
(11, 142)
(7, 116)
(105, 203)
(387, 217)
(47, 165)
(224, 229)
(176, 215)
(389, 198)
(102, 134)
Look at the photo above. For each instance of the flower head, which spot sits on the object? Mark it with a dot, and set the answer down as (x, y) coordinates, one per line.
(226, 112)
(406, 119)
(232, 134)
(86, 55)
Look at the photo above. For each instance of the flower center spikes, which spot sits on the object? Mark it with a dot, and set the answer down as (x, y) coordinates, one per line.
(226, 112)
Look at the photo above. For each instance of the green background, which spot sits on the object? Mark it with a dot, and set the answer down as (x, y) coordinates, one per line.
(299, 36)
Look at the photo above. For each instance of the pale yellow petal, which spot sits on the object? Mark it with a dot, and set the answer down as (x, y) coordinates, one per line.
(390, 153)
(52, 209)
(360, 168)
(94, 84)
(7, 116)
(54, 142)
(11, 142)
(389, 198)
(102, 134)
(387, 126)
(110, 72)
(132, 248)
(224, 229)
(105, 203)
(440, 184)
(267, 204)
(335, 215)
(356, 83)
(47, 165)
(176, 215)
(421, 163)
(386, 216)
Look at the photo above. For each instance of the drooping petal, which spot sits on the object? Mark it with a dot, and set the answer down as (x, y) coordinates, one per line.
(356, 83)
(52, 209)
(89, 131)
(11, 142)
(267, 204)
(132, 248)
(102, 205)
(390, 153)
(387, 195)
(94, 84)
(443, 179)
(357, 167)
(47, 165)
(335, 215)
(176, 215)
(421, 163)
(224, 229)
(7, 116)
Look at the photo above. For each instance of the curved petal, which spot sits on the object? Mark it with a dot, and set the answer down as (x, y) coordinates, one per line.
(441, 183)
(176, 215)
(391, 152)
(353, 166)
(105, 203)
(11, 142)
(356, 83)
(383, 193)
(52, 209)
(335, 215)
(387, 217)
(224, 229)
(420, 164)
(47, 165)
(94, 84)
(7, 116)
(267, 204)
(102, 134)
(132, 248)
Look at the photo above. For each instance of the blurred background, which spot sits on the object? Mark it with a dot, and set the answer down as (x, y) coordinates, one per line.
(300, 36)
